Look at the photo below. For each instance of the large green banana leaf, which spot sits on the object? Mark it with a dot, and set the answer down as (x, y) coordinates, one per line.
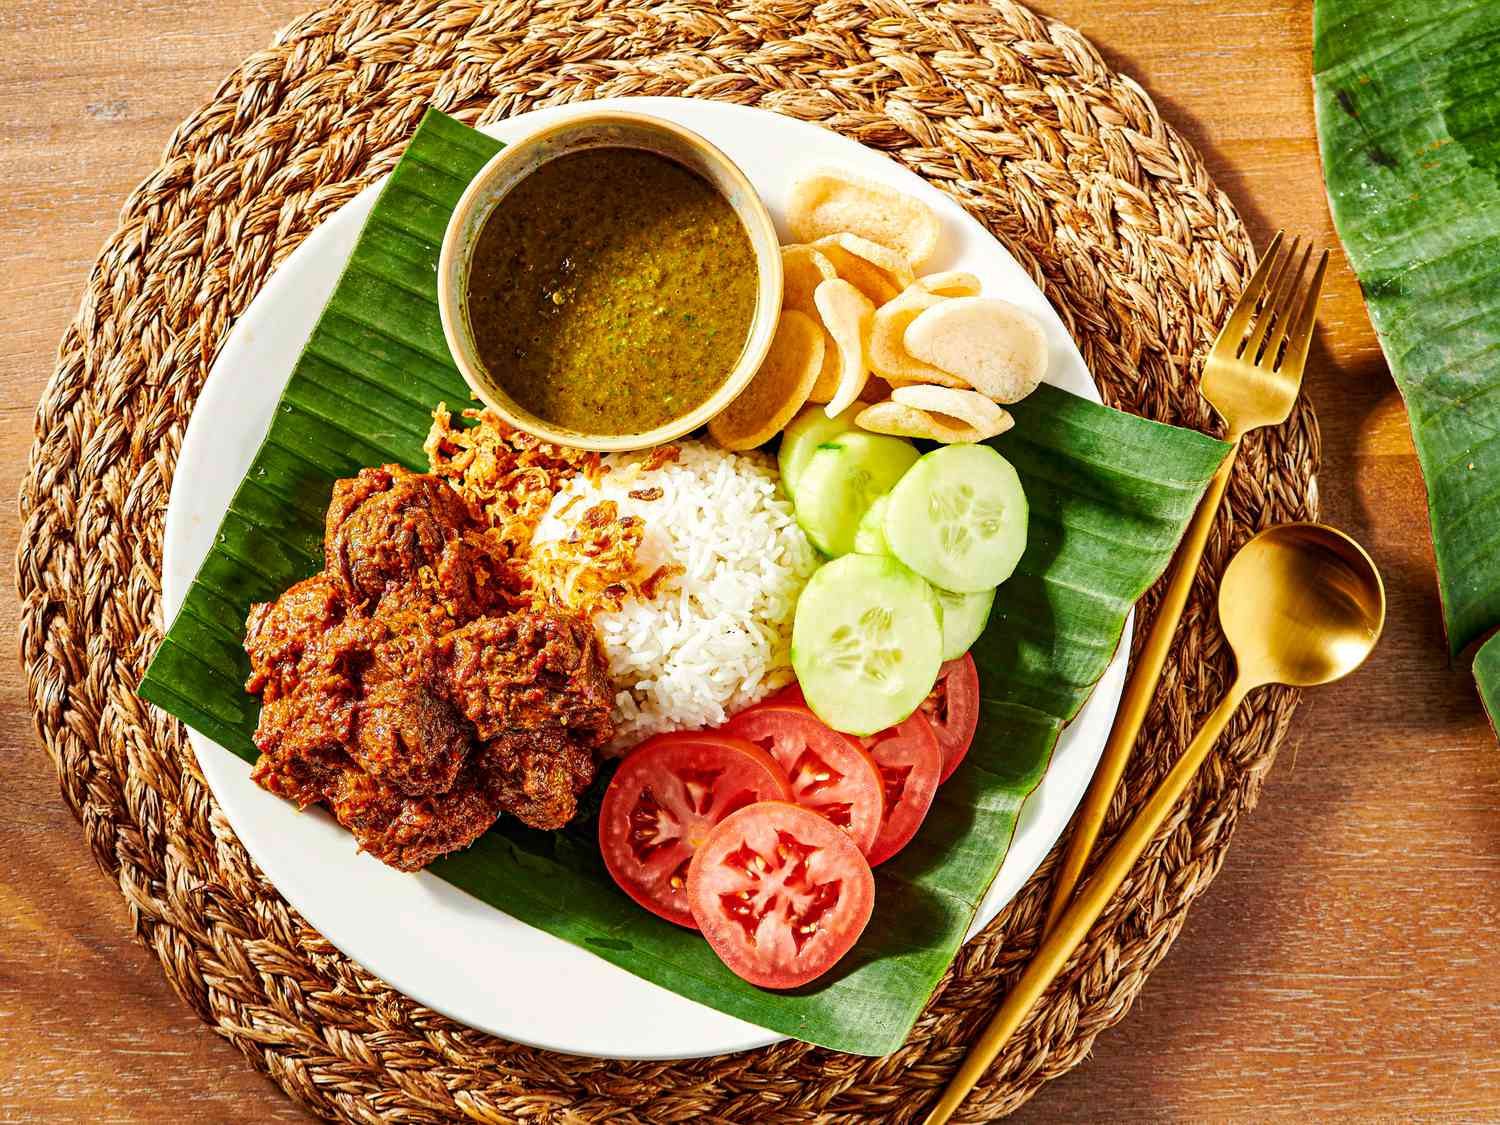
(1110, 496)
(1408, 104)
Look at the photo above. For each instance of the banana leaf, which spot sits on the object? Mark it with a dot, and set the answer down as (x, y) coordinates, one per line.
(1408, 108)
(1487, 677)
(1110, 496)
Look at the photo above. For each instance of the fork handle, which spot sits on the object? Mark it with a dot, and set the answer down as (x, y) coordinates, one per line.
(1140, 689)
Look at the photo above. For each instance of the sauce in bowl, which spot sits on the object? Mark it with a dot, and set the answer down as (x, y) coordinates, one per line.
(611, 291)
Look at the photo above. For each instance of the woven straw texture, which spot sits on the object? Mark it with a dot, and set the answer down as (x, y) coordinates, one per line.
(1067, 162)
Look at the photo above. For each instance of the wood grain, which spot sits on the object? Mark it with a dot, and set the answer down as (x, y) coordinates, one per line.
(1342, 965)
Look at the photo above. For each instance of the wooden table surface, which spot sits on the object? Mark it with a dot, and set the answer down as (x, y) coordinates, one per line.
(1343, 965)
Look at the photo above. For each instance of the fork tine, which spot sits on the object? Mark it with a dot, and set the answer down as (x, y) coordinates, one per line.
(1274, 308)
(1300, 335)
(1277, 307)
(1234, 328)
(1282, 321)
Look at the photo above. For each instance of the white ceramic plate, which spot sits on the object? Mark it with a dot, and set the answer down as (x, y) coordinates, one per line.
(425, 937)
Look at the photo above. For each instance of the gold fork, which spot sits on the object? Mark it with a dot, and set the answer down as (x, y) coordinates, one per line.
(1252, 378)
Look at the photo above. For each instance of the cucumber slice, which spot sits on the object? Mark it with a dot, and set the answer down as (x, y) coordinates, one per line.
(869, 537)
(964, 618)
(801, 439)
(843, 478)
(958, 518)
(866, 643)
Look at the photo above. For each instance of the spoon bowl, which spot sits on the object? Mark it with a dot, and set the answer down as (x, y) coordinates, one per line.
(1301, 604)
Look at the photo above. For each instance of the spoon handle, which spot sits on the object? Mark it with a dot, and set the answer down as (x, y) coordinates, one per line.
(1076, 921)
(1140, 690)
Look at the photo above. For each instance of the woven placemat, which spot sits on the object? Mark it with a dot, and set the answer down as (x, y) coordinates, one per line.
(1067, 162)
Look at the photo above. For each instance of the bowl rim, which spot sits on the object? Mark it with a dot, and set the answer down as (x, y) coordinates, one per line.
(455, 253)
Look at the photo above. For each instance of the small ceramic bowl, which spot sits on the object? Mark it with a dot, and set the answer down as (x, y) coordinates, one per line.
(514, 163)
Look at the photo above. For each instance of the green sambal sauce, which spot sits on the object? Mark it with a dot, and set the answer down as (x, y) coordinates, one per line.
(611, 291)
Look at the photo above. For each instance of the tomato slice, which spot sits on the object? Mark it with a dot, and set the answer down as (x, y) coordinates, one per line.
(911, 766)
(953, 710)
(663, 801)
(791, 695)
(780, 893)
(829, 772)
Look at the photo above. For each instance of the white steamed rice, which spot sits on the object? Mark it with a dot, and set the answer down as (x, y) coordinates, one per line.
(717, 638)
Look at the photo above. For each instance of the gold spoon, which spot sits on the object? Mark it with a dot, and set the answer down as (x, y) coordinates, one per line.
(1301, 604)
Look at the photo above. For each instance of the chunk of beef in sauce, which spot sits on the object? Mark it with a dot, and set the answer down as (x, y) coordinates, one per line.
(409, 832)
(538, 775)
(410, 737)
(396, 694)
(288, 640)
(529, 671)
(301, 756)
(392, 531)
(306, 669)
